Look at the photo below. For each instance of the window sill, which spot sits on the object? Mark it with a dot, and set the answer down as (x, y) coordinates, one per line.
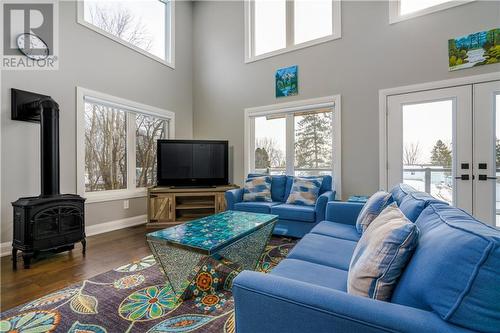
(114, 195)
(170, 64)
(293, 48)
(395, 17)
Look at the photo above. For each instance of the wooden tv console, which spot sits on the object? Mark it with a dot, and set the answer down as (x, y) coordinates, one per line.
(168, 206)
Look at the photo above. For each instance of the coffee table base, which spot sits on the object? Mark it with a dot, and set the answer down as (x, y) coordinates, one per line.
(179, 265)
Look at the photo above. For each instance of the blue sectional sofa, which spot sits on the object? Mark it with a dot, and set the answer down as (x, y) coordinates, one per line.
(451, 283)
(294, 220)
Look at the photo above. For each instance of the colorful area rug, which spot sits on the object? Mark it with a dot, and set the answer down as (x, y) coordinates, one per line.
(135, 298)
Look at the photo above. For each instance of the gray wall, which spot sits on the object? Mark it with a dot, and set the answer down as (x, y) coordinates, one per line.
(371, 55)
(93, 61)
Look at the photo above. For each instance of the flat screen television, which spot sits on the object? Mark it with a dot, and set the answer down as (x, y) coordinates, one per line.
(197, 163)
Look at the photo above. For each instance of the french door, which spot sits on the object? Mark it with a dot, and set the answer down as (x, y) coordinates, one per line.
(444, 142)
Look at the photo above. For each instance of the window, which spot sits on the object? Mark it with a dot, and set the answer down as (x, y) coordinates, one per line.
(117, 145)
(145, 26)
(277, 26)
(400, 10)
(299, 138)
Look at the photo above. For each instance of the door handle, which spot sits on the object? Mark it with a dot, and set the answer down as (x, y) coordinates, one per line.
(463, 177)
(485, 177)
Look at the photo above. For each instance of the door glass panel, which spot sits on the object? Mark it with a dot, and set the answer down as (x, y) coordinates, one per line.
(313, 143)
(270, 145)
(428, 148)
(497, 159)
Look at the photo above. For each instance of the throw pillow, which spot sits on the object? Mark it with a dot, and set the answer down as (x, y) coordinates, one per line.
(257, 189)
(304, 191)
(381, 255)
(375, 204)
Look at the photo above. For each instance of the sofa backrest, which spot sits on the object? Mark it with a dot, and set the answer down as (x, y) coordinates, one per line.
(412, 202)
(400, 191)
(454, 271)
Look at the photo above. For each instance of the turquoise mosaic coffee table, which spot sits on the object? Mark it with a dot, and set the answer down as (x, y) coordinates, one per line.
(235, 239)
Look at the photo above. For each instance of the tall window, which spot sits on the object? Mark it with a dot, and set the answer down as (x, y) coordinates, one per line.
(145, 26)
(117, 145)
(400, 10)
(278, 26)
(298, 138)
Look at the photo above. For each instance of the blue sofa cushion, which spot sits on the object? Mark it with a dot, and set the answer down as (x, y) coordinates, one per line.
(278, 186)
(257, 189)
(414, 203)
(375, 204)
(454, 270)
(255, 207)
(337, 230)
(400, 191)
(326, 184)
(295, 212)
(324, 250)
(304, 191)
(309, 272)
(382, 254)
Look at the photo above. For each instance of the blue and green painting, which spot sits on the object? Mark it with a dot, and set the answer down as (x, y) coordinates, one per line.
(287, 81)
(480, 48)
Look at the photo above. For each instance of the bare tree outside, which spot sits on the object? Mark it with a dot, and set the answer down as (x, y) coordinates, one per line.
(120, 22)
(411, 154)
(105, 148)
(275, 155)
(148, 130)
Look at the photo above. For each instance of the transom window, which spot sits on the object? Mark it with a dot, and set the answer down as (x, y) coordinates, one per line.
(400, 10)
(117, 145)
(298, 138)
(278, 26)
(145, 26)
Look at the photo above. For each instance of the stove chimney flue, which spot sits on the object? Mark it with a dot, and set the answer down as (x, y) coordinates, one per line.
(49, 146)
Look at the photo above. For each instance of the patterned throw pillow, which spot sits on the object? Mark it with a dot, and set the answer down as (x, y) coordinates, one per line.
(304, 191)
(381, 255)
(257, 189)
(375, 204)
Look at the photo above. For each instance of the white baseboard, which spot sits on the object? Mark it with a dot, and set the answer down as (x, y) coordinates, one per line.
(6, 247)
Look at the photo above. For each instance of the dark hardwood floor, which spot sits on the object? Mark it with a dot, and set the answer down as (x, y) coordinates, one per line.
(56, 271)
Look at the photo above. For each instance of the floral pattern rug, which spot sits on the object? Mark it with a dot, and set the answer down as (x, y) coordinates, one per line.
(135, 298)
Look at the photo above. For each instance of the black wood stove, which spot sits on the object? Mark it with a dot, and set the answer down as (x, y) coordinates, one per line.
(50, 221)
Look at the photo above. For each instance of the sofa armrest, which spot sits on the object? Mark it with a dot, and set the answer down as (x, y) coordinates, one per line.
(233, 196)
(343, 212)
(320, 207)
(269, 303)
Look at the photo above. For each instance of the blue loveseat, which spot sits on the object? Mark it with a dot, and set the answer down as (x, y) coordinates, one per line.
(294, 220)
(451, 283)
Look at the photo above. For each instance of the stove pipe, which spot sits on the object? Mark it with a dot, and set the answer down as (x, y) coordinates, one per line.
(49, 143)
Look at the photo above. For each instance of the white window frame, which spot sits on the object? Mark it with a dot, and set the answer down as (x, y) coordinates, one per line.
(290, 46)
(169, 34)
(395, 16)
(289, 109)
(131, 108)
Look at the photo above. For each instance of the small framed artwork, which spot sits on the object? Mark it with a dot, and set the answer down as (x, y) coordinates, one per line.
(477, 49)
(286, 81)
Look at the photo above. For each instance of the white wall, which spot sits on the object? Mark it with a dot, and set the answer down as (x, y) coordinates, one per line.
(371, 55)
(93, 61)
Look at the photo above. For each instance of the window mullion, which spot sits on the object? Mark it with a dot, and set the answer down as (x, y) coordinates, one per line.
(290, 28)
(131, 158)
(290, 144)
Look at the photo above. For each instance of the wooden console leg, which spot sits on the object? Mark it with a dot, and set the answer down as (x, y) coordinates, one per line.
(84, 246)
(27, 259)
(14, 258)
